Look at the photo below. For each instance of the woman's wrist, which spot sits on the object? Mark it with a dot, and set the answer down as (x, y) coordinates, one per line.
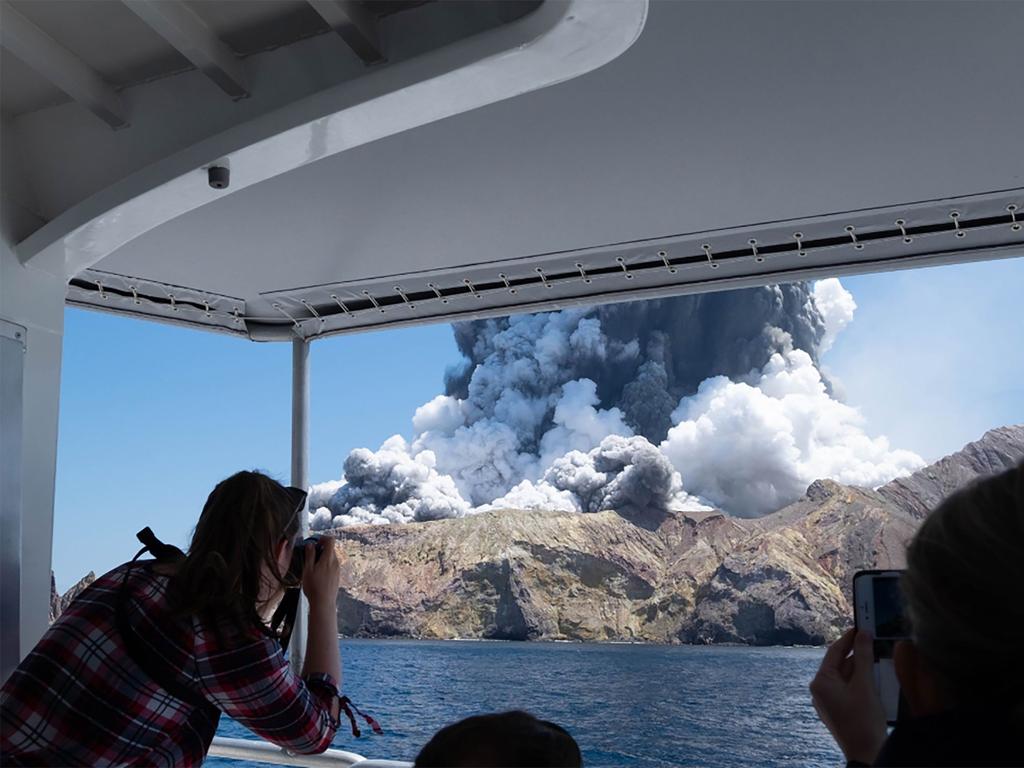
(323, 605)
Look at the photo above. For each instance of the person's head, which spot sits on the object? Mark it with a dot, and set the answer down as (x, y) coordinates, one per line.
(240, 551)
(964, 592)
(501, 740)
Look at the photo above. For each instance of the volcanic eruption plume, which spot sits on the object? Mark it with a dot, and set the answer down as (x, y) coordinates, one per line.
(713, 399)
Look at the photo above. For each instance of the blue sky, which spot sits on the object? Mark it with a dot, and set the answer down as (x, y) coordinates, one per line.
(152, 416)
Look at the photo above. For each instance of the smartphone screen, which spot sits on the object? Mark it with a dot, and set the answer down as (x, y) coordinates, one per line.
(890, 623)
(878, 608)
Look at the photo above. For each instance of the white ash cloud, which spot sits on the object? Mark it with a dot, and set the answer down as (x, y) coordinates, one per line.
(752, 447)
(321, 518)
(836, 306)
(530, 495)
(567, 410)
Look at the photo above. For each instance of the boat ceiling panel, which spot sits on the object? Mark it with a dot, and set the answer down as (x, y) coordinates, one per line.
(251, 27)
(22, 89)
(75, 156)
(742, 119)
(106, 36)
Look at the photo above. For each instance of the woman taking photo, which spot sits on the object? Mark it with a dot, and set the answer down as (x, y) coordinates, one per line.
(962, 670)
(140, 666)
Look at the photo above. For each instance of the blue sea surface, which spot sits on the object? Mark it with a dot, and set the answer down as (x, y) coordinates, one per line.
(626, 705)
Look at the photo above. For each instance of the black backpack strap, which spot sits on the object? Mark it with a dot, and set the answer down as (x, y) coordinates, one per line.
(283, 620)
(164, 553)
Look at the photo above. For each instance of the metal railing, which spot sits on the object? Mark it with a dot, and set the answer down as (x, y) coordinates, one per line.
(264, 752)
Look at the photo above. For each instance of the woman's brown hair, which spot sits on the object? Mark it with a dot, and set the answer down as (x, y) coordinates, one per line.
(245, 518)
(964, 588)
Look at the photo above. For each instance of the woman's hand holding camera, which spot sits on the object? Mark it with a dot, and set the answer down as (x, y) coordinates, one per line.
(321, 577)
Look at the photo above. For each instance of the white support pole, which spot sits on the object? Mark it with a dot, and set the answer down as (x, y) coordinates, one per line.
(32, 298)
(12, 365)
(300, 476)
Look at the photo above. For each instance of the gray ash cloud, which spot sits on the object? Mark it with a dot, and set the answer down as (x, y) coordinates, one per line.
(656, 352)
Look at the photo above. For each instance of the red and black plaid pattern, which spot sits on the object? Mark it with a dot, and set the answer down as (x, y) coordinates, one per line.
(79, 699)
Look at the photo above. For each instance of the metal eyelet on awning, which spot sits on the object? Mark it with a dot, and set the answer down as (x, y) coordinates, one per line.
(437, 292)
(295, 322)
(405, 298)
(373, 301)
(903, 231)
(955, 216)
(799, 237)
(853, 237)
(341, 304)
(312, 311)
(504, 279)
(706, 247)
(753, 247)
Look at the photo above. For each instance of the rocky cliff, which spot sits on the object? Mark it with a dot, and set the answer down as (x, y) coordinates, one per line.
(997, 450)
(704, 578)
(59, 603)
(695, 577)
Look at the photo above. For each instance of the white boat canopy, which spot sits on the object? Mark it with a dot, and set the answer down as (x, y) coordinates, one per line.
(290, 169)
(501, 157)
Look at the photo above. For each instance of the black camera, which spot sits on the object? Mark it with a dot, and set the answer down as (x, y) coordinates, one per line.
(299, 558)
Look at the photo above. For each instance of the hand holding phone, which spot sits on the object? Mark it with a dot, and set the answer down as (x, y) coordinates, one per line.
(846, 700)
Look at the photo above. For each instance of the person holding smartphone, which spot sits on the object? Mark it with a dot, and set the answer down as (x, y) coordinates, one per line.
(961, 671)
(140, 666)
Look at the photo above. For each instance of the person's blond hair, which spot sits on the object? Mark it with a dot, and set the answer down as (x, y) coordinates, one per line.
(964, 588)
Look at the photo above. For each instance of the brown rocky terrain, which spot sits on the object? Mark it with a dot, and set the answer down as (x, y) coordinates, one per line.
(697, 577)
(59, 603)
(999, 449)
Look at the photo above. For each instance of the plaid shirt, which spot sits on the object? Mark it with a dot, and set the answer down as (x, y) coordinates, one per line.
(79, 699)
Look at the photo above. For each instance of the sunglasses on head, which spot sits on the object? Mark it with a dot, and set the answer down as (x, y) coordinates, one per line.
(297, 496)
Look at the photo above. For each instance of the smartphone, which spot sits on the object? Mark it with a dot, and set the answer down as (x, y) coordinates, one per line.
(878, 608)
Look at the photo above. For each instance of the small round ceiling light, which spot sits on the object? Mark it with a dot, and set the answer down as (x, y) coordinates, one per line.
(219, 176)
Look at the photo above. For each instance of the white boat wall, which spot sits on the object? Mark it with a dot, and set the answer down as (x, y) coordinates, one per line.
(294, 169)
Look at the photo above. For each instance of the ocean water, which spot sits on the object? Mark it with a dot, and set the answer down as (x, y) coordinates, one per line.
(626, 705)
